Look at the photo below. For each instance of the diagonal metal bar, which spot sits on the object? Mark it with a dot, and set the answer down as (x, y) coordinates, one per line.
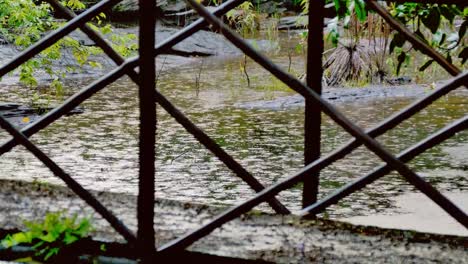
(417, 42)
(198, 133)
(327, 108)
(69, 181)
(56, 35)
(381, 171)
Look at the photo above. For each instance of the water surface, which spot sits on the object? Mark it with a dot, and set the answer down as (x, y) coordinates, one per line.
(99, 147)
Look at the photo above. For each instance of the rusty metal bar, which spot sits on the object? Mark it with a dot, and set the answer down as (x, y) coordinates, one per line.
(146, 93)
(381, 171)
(199, 134)
(56, 35)
(312, 112)
(418, 43)
(69, 181)
(370, 143)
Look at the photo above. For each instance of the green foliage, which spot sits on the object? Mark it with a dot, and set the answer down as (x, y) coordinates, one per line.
(244, 18)
(433, 24)
(23, 22)
(47, 238)
(345, 10)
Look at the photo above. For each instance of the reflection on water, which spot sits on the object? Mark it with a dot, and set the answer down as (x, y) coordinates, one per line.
(99, 147)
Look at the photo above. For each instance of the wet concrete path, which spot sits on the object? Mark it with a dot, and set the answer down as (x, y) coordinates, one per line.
(281, 239)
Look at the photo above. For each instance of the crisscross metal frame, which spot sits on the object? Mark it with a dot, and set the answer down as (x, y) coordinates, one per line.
(149, 96)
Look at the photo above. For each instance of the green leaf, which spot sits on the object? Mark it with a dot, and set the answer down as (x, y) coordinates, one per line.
(38, 245)
(360, 8)
(463, 55)
(420, 35)
(448, 13)
(432, 21)
(425, 65)
(69, 239)
(20, 238)
(401, 58)
(397, 41)
(442, 39)
(449, 57)
(341, 8)
(462, 30)
(7, 242)
(28, 260)
(51, 252)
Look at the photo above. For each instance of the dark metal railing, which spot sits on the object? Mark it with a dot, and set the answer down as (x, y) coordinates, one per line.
(315, 105)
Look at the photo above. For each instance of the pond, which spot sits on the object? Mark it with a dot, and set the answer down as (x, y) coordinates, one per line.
(99, 147)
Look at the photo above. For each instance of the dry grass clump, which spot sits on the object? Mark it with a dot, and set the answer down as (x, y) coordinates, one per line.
(348, 62)
(362, 53)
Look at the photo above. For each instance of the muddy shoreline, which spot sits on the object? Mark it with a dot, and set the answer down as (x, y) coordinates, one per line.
(345, 95)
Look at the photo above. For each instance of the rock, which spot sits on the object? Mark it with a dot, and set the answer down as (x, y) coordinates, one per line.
(175, 7)
(296, 22)
(3, 41)
(399, 80)
(21, 115)
(182, 17)
(127, 10)
(269, 7)
(292, 22)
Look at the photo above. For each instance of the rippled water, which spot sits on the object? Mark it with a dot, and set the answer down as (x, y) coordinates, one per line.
(99, 147)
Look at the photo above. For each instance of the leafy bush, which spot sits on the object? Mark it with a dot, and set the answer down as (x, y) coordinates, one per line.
(24, 22)
(48, 237)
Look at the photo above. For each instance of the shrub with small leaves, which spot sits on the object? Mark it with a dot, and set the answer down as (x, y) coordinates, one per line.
(24, 22)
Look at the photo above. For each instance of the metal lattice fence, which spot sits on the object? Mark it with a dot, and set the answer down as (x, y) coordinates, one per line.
(144, 240)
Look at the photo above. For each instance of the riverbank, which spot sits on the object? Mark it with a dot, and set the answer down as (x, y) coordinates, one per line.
(258, 236)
